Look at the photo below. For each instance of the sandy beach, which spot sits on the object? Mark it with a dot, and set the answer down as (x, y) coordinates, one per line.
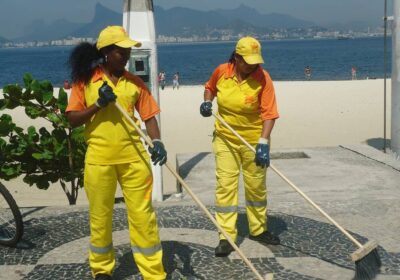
(312, 114)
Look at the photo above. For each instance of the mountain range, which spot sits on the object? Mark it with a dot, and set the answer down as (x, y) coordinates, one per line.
(62, 28)
(183, 22)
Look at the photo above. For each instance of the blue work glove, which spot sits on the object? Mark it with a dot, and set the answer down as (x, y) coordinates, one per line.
(106, 95)
(206, 108)
(262, 153)
(158, 152)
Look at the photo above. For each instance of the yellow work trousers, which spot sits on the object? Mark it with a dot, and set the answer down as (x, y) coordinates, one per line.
(230, 158)
(136, 181)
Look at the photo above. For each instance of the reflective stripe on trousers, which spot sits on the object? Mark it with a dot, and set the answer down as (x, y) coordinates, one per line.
(226, 209)
(146, 251)
(256, 203)
(101, 250)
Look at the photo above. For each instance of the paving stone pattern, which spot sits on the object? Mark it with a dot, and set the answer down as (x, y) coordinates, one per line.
(301, 237)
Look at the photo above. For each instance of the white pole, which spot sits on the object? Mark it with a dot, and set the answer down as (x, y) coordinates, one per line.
(384, 74)
(395, 123)
(138, 20)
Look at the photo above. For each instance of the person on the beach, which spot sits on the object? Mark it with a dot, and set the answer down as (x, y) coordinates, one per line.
(66, 85)
(353, 73)
(115, 152)
(161, 79)
(246, 101)
(175, 81)
(307, 72)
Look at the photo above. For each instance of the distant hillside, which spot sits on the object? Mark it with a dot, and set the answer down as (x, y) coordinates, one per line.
(3, 40)
(272, 21)
(102, 18)
(40, 31)
(355, 25)
(177, 21)
(184, 21)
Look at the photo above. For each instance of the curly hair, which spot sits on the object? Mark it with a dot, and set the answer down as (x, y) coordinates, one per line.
(83, 61)
(232, 58)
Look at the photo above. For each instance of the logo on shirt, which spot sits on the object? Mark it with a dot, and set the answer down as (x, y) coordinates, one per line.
(130, 108)
(249, 99)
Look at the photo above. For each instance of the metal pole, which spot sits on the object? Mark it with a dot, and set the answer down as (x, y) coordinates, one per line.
(384, 75)
(395, 112)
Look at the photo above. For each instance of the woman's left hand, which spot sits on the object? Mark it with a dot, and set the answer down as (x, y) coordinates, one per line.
(262, 155)
(158, 152)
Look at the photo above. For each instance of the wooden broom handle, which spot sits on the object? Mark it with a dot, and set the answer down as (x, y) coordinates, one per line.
(345, 232)
(199, 203)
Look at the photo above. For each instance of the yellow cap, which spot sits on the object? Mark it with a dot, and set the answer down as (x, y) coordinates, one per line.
(250, 49)
(115, 35)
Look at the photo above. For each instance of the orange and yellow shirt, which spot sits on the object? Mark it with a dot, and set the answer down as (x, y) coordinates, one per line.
(243, 105)
(110, 138)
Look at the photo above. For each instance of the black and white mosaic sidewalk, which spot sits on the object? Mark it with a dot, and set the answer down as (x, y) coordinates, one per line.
(57, 247)
(356, 185)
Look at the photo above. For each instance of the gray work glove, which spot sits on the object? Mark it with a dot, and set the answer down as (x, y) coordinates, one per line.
(206, 108)
(158, 152)
(262, 153)
(106, 95)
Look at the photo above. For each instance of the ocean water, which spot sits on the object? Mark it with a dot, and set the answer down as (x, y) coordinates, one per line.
(330, 59)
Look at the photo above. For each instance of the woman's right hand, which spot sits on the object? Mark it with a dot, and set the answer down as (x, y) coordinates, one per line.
(206, 108)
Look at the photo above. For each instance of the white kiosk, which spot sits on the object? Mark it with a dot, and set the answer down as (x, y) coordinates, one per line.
(138, 21)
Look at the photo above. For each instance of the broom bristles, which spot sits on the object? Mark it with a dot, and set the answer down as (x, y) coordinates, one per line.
(368, 267)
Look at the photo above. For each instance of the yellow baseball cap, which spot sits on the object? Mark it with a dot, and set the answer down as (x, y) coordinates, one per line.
(115, 35)
(250, 49)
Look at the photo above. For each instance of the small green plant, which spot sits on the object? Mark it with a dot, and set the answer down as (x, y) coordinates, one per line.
(41, 156)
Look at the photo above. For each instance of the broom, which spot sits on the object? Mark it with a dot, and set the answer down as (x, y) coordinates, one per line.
(366, 257)
(268, 276)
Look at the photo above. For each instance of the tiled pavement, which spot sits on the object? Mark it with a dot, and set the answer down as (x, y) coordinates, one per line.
(358, 186)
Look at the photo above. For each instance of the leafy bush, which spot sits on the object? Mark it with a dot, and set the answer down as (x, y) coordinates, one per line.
(42, 156)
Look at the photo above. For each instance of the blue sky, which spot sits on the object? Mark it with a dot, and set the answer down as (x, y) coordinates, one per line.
(17, 14)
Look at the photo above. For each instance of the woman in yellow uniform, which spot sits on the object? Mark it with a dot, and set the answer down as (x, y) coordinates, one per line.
(115, 152)
(246, 101)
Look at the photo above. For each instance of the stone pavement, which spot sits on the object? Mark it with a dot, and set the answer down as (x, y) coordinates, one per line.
(357, 185)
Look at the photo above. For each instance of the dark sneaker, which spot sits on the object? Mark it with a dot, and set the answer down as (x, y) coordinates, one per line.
(266, 238)
(102, 276)
(223, 249)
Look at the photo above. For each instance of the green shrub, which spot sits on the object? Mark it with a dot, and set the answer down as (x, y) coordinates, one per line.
(41, 156)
